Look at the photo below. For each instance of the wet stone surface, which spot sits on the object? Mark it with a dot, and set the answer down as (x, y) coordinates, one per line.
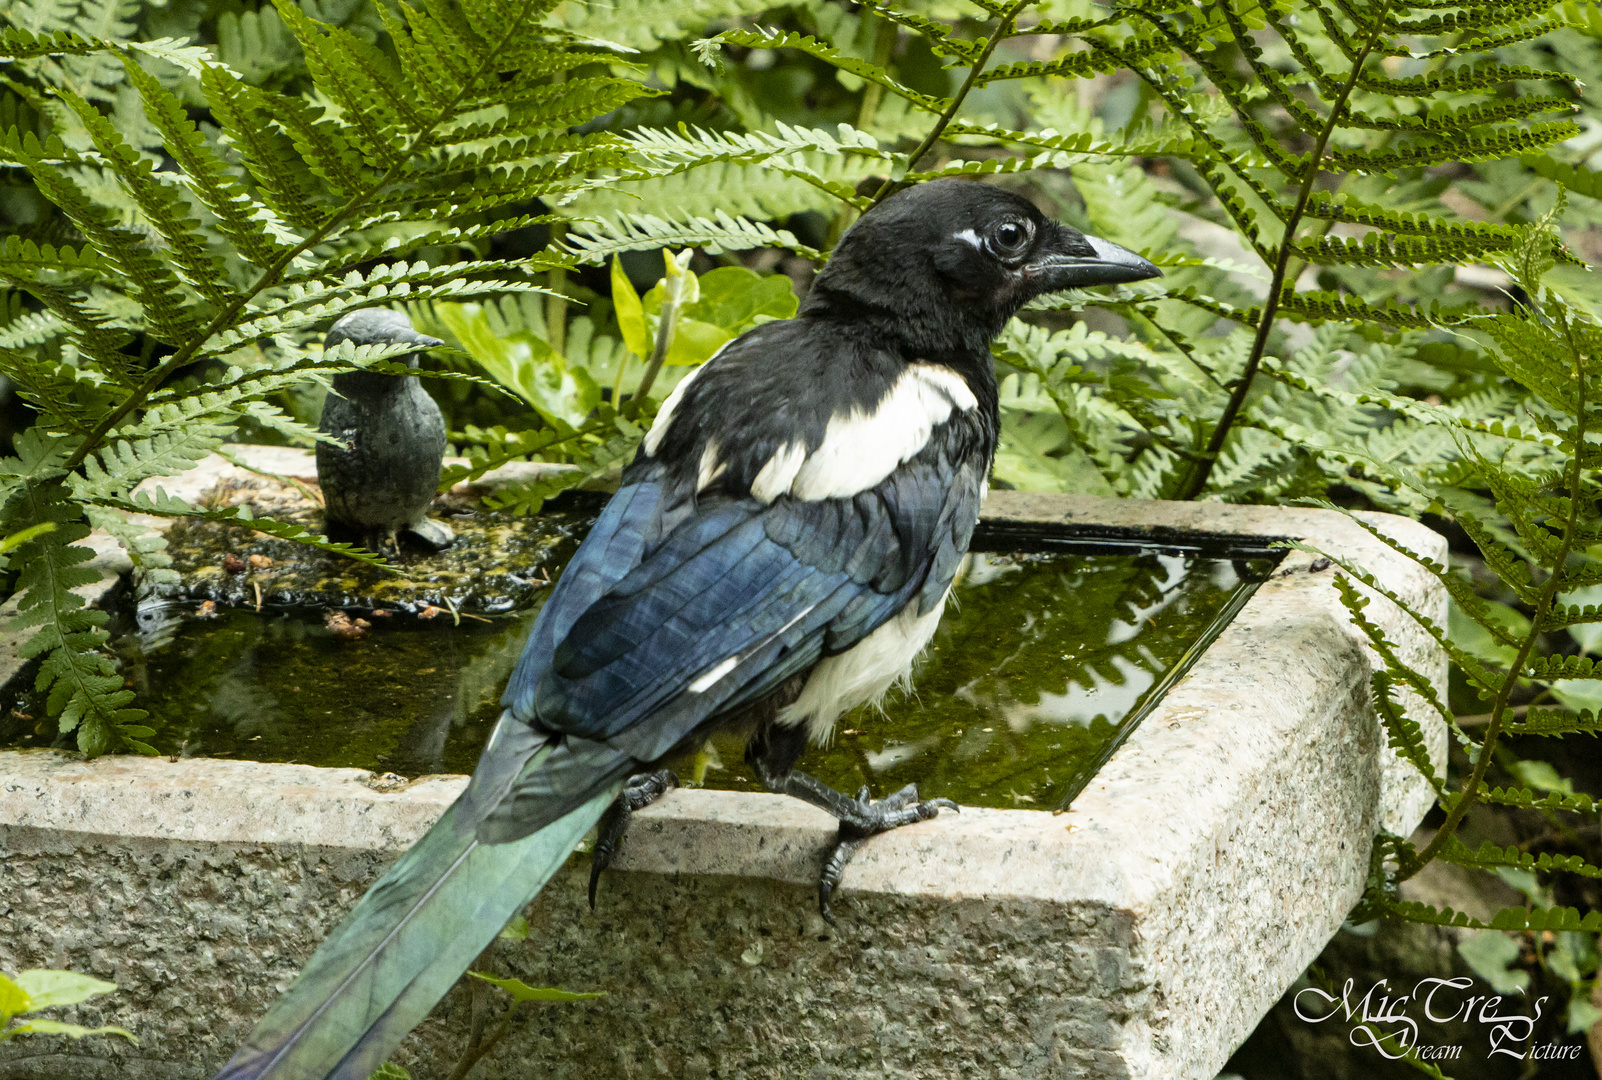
(500, 562)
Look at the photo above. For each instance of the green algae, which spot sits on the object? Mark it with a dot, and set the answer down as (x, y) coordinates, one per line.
(1043, 662)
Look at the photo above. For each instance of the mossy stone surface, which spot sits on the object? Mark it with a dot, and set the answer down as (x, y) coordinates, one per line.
(500, 562)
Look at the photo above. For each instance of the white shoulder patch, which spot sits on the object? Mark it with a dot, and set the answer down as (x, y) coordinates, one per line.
(775, 478)
(948, 382)
(712, 466)
(664, 415)
(861, 449)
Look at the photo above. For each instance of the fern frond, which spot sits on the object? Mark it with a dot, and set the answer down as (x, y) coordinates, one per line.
(598, 240)
(81, 684)
(165, 302)
(203, 269)
(249, 121)
(529, 496)
(240, 218)
(765, 38)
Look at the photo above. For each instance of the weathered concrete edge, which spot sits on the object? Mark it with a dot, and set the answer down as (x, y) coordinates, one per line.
(1227, 930)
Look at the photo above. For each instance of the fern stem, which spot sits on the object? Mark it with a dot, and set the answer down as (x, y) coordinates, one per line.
(556, 303)
(1499, 706)
(872, 94)
(275, 271)
(1265, 322)
(1004, 30)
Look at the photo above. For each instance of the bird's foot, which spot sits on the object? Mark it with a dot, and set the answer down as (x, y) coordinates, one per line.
(436, 534)
(638, 792)
(379, 541)
(860, 818)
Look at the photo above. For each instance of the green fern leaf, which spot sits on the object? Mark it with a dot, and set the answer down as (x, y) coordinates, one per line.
(598, 240)
(762, 38)
(240, 218)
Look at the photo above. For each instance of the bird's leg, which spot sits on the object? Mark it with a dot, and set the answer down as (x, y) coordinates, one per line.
(859, 818)
(382, 541)
(639, 792)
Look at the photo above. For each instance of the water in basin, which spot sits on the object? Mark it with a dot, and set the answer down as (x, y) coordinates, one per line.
(1050, 652)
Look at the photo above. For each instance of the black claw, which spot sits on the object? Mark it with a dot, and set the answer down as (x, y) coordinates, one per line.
(867, 818)
(639, 791)
(833, 868)
(614, 823)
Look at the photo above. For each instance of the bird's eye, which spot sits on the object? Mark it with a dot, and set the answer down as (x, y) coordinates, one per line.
(1011, 237)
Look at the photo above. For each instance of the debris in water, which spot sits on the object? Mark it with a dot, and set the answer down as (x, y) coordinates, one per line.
(206, 610)
(344, 628)
(233, 564)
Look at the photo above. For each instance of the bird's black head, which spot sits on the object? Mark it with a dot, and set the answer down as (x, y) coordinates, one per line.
(948, 262)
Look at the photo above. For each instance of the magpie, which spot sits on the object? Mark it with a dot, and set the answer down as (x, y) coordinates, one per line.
(778, 552)
(383, 477)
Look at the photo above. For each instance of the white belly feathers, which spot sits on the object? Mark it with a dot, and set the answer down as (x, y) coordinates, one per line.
(863, 673)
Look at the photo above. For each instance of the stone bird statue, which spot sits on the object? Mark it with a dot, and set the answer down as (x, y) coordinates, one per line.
(382, 481)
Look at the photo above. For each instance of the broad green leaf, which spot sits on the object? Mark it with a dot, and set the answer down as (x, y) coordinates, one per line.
(1477, 641)
(1582, 1015)
(1588, 636)
(1541, 775)
(733, 298)
(524, 992)
(525, 364)
(694, 341)
(630, 315)
(13, 999)
(1581, 695)
(50, 988)
(1572, 956)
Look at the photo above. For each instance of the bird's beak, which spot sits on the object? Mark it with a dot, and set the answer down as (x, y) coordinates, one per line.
(408, 336)
(1110, 264)
(405, 335)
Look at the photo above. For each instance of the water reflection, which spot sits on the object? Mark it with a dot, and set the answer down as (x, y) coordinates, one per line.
(1032, 679)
